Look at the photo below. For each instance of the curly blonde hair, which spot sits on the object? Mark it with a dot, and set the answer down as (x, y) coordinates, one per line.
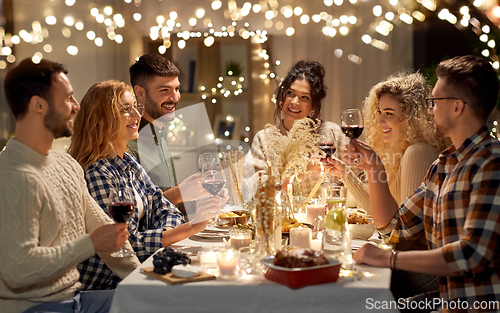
(410, 89)
(97, 125)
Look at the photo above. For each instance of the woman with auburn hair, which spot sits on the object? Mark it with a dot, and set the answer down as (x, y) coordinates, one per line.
(401, 131)
(108, 118)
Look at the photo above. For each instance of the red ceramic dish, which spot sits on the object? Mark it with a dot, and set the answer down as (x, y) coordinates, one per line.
(301, 277)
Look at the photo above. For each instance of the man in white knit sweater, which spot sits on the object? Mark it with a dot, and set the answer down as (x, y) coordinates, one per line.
(48, 221)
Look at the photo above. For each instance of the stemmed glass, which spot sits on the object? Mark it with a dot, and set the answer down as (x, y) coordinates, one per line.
(327, 142)
(202, 158)
(121, 207)
(213, 179)
(352, 123)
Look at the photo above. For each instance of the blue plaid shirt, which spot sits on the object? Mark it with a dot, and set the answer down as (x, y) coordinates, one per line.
(145, 234)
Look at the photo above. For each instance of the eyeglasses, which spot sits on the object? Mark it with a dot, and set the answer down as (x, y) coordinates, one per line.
(432, 101)
(128, 110)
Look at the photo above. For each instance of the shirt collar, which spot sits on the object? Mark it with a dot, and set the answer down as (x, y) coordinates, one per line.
(468, 145)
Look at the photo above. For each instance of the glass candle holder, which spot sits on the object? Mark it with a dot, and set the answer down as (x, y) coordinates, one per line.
(228, 262)
(240, 238)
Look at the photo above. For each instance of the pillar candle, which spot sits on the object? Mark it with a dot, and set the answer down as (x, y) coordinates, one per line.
(300, 237)
(313, 211)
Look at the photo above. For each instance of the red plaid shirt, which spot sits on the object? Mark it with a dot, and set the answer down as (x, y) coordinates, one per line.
(458, 208)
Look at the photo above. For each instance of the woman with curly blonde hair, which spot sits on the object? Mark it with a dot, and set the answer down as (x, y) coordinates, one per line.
(401, 131)
(109, 117)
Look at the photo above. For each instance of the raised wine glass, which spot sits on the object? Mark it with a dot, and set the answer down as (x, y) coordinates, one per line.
(327, 142)
(204, 157)
(352, 123)
(212, 176)
(120, 208)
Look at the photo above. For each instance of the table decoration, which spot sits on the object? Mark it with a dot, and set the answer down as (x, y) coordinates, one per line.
(240, 238)
(233, 162)
(300, 237)
(228, 262)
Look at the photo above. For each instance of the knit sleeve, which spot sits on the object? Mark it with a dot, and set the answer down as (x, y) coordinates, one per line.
(358, 189)
(414, 165)
(24, 261)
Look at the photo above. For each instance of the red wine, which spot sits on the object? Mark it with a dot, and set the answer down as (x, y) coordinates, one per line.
(213, 186)
(327, 148)
(353, 131)
(121, 211)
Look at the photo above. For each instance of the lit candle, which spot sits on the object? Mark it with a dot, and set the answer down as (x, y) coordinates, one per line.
(240, 238)
(313, 211)
(228, 262)
(300, 237)
(316, 244)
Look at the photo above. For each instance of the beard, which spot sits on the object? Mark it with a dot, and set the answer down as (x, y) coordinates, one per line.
(56, 123)
(154, 109)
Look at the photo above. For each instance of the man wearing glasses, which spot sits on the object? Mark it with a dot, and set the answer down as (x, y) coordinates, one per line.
(457, 206)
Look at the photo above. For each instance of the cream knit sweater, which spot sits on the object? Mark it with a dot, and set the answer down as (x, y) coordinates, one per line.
(46, 214)
(414, 165)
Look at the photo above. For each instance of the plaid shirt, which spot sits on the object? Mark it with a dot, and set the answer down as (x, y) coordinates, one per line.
(145, 235)
(458, 208)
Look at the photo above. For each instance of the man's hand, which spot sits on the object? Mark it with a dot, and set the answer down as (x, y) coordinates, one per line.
(109, 237)
(337, 166)
(372, 255)
(206, 209)
(191, 189)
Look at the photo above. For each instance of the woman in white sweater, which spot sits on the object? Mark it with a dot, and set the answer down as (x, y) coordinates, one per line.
(401, 131)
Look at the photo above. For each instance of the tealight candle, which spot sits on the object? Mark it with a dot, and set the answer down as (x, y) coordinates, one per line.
(316, 244)
(228, 262)
(300, 237)
(208, 259)
(240, 238)
(313, 211)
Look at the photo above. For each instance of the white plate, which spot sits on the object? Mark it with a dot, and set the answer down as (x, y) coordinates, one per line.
(213, 234)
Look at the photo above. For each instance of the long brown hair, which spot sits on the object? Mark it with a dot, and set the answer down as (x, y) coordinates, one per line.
(97, 125)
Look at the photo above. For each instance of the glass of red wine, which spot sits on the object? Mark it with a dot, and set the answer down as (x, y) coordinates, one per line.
(327, 142)
(212, 176)
(120, 208)
(352, 123)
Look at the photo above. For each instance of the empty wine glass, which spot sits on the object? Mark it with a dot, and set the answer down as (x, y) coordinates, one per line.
(121, 207)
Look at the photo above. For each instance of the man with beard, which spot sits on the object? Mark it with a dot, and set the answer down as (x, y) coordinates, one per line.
(48, 221)
(156, 85)
(457, 207)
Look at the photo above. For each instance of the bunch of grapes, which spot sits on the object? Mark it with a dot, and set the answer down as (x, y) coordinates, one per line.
(167, 258)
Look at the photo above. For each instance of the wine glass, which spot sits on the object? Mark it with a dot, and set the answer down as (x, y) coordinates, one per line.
(213, 180)
(212, 176)
(202, 158)
(352, 123)
(326, 142)
(121, 207)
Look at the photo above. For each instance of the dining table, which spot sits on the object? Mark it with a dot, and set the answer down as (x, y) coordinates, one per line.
(251, 292)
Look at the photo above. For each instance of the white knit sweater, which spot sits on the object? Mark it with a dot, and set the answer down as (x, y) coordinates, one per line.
(46, 214)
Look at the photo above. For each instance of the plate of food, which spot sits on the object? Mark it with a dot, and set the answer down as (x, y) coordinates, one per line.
(289, 223)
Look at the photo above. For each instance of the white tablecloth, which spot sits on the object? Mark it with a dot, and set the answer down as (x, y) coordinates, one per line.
(253, 293)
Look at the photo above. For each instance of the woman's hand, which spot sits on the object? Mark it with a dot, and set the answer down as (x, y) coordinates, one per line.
(337, 167)
(361, 155)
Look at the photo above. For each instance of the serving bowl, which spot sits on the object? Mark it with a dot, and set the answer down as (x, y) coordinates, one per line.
(363, 231)
(240, 219)
(302, 276)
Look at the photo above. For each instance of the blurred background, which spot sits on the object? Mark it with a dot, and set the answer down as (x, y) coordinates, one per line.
(232, 54)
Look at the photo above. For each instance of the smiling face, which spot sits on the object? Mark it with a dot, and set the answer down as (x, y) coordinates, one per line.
(130, 122)
(161, 97)
(297, 103)
(390, 118)
(62, 107)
